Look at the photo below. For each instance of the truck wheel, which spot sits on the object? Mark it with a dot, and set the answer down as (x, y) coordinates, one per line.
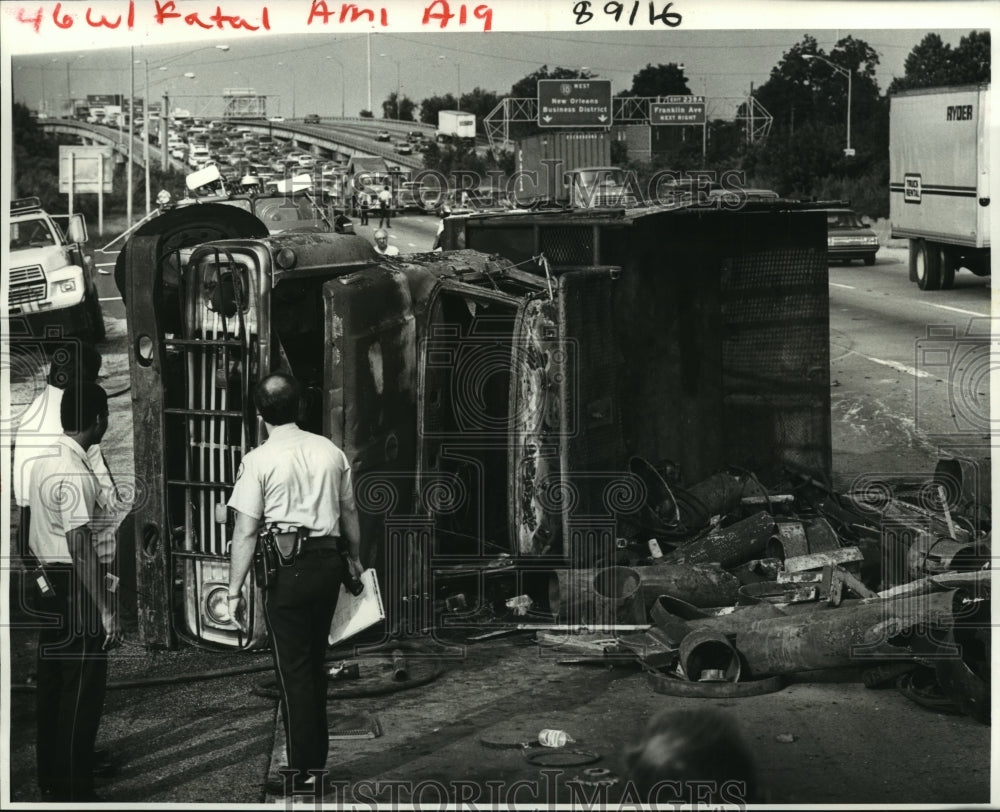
(869, 261)
(949, 265)
(96, 317)
(928, 265)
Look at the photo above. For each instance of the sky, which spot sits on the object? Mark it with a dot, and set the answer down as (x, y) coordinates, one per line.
(325, 72)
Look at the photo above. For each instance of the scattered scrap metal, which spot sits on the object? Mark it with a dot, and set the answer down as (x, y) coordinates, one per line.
(745, 585)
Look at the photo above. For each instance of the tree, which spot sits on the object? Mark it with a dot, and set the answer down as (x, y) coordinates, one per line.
(430, 107)
(932, 63)
(661, 80)
(403, 111)
(481, 103)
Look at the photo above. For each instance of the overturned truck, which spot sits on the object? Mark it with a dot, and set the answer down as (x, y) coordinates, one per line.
(489, 397)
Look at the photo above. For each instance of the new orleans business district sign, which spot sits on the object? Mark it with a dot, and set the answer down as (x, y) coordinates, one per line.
(677, 110)
(574, 102)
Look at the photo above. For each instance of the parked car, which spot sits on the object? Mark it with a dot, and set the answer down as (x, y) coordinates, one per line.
(848, 237)
(312, 118)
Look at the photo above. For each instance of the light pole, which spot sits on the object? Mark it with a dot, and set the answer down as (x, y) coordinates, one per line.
(458, 74)
(848, 152)
(145, 127)
(397, 82)
(334, 59)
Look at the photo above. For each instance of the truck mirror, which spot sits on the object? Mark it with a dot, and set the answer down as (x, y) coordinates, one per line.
(76, 229)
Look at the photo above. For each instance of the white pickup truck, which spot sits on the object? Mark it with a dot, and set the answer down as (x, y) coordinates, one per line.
(52, 282)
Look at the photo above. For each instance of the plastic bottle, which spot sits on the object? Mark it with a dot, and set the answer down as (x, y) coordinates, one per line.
(553, 738)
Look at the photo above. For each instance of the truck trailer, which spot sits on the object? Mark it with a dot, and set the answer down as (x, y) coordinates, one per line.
(939, 192)
(454, 125)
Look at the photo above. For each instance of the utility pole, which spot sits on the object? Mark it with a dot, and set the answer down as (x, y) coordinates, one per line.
(131, 140)
(370, 73)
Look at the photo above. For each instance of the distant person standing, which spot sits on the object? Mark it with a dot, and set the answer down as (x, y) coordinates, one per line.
(364, 203)
(385, 207)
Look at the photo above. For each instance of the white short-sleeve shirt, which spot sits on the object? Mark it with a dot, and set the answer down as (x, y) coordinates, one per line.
(37, 432)
(295, 479)
(63, 497)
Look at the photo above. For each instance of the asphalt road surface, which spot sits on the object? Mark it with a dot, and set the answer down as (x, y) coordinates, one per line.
(909, 368)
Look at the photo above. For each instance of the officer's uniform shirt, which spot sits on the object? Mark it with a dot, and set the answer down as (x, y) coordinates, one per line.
(40, 427)
(295, 479)
(63, 496)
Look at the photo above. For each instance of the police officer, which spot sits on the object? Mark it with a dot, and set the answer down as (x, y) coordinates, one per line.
(296, 482)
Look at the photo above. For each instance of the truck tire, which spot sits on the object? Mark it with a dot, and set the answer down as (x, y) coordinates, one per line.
(949, 264)
(927, 265)
(96, 317)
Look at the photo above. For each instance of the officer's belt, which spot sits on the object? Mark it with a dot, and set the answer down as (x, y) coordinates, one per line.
(293, 543)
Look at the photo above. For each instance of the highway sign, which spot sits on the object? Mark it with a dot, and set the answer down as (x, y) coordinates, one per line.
(678, 110)
(574, 103)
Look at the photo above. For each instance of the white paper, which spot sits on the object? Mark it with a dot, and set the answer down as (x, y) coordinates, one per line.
(355, 614)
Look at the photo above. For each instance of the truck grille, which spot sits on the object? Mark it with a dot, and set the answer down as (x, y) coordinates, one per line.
(27, 284)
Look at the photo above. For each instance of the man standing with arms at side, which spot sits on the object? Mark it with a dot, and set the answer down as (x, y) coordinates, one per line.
(296, 482)
(73, 654)
(385, 207)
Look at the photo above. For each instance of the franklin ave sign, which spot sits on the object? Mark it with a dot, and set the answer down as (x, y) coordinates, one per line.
(574, 103)
(678, 110)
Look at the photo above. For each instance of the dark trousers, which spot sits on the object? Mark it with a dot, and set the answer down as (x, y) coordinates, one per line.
(72, 677)
(298, 610)
(364, 215)
(383, 216)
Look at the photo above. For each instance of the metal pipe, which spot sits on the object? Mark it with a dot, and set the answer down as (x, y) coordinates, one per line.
(736, 544)
(698, 584)
(709, 656)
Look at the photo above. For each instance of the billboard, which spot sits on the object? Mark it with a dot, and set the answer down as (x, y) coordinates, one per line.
(91, 169)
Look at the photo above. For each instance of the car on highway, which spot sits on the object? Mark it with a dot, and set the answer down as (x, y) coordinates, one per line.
(849, 237)
(312, 118)
(276, 119)
(382, 135)
(403, 148)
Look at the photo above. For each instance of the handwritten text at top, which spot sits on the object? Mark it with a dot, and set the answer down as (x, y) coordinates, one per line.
(439, 14)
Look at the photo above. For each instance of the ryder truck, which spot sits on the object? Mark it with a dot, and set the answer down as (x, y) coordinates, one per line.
(939, 181)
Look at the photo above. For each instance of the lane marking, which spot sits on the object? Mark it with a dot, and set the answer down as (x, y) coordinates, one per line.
(916, 373)
(958, 310)
(838, 285)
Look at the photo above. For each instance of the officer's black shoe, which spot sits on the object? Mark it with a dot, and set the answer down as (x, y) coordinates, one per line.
(281, 786)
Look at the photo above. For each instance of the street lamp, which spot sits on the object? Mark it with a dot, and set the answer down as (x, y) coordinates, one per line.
(848, 152)
(334, 59)
(458, 96)
(397, 82)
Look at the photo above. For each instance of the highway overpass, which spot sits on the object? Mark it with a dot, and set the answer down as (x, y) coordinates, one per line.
(333, 139)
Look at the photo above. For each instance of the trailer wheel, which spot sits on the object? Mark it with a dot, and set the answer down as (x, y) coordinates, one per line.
(927, 265)
(949, 264)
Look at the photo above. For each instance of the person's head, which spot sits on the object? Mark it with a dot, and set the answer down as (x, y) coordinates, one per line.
(83, 411)
(278, 397)
(684, 754)
(381, 238)
(386, 187)
(74, 361)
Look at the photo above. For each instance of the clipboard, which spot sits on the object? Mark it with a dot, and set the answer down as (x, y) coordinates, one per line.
(355, 614)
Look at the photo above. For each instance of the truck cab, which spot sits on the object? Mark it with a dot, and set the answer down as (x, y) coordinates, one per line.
(51, 282)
